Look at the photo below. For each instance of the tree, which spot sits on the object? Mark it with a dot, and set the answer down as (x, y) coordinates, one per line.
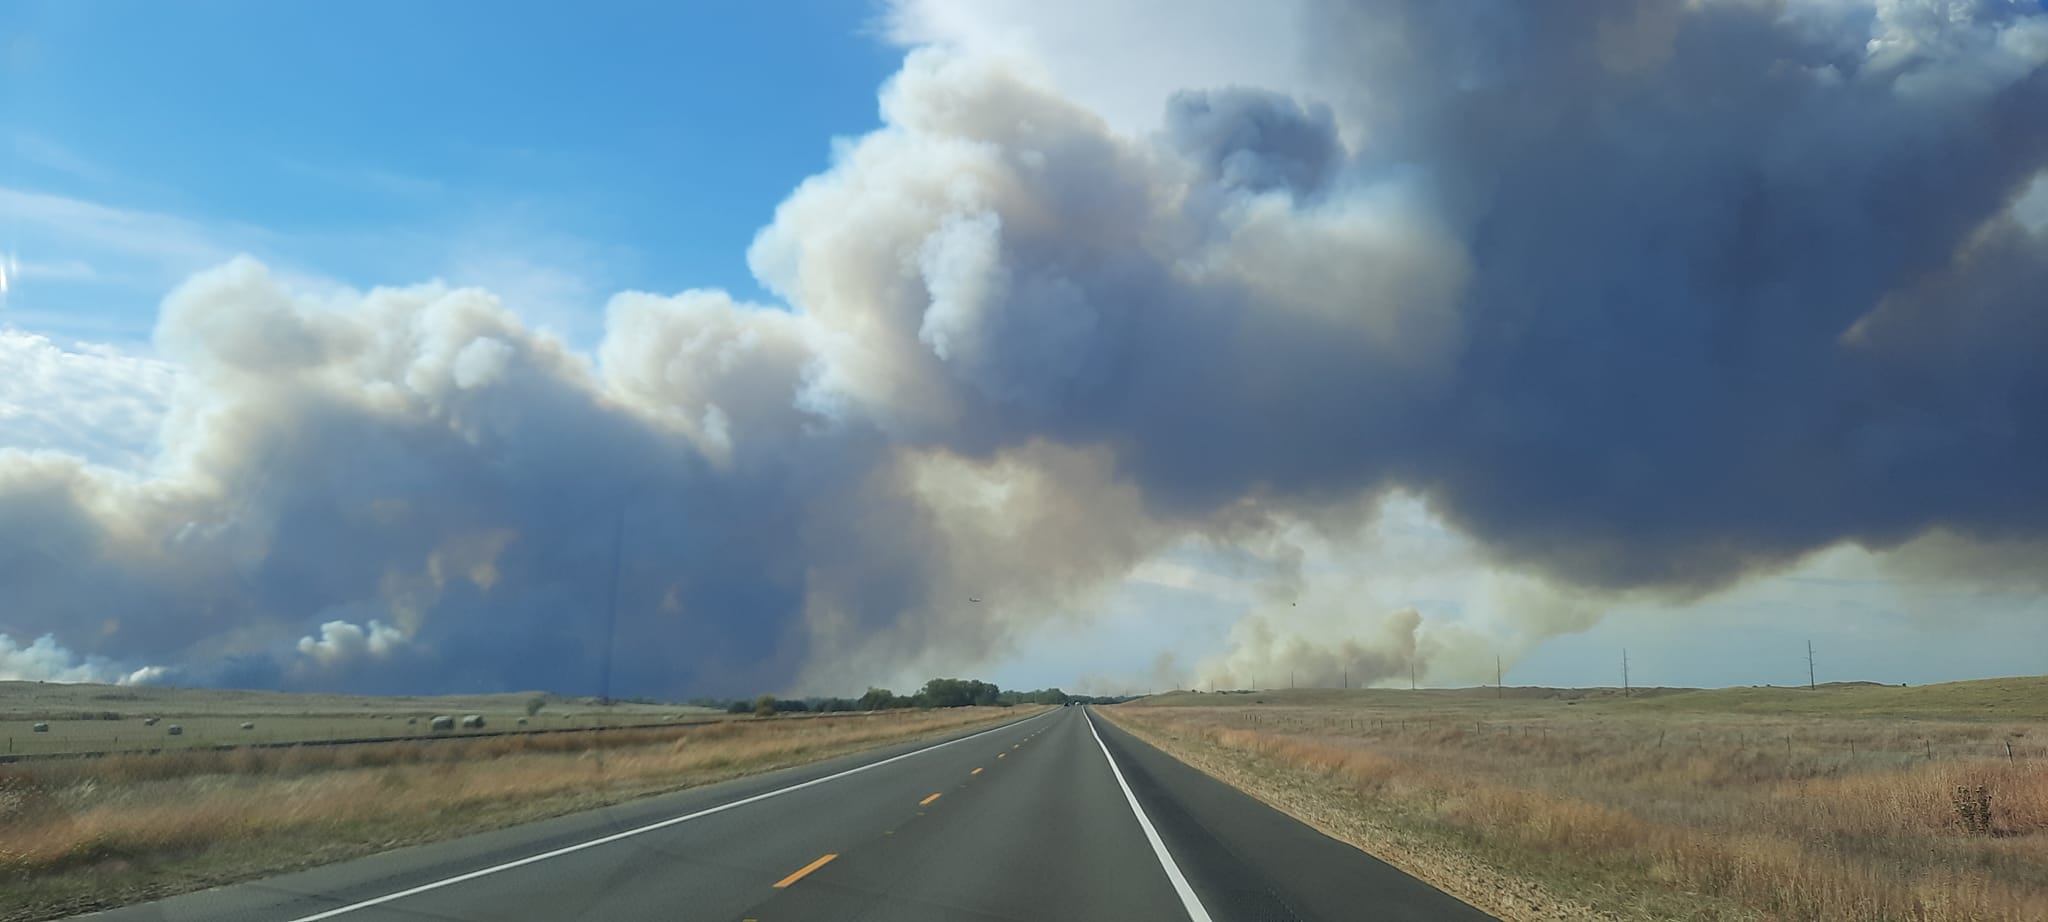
(879, 699)
(764, 706)
(534, 704)
(954, 693)
(1041, 696)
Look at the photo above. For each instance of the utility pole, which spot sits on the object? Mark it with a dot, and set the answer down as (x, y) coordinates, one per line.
(1290, 678)
(1347, 677)
(1411, 673)
(1624, 672)
(1809, 666)
(1498, 690)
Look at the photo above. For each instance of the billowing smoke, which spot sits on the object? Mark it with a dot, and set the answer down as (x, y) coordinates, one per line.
(1640, 297)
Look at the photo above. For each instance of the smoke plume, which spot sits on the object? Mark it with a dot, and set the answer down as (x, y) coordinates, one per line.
(1642, 297)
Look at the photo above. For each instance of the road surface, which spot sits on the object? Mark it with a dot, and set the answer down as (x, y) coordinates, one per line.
(1060, 816)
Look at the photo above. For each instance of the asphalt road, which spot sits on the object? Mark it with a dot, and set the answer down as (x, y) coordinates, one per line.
(1059, 817)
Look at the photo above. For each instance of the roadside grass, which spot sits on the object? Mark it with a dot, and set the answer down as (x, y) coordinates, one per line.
(91, 833)
(1628, 809)
(2019, 698)
(105, 718)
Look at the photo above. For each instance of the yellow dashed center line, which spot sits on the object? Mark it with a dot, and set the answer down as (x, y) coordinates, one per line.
(975, 772)
(806, 869)
(928, 800)
(1001, 754)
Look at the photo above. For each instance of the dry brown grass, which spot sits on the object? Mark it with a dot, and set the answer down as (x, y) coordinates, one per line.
(1650, 814)
(92, 832)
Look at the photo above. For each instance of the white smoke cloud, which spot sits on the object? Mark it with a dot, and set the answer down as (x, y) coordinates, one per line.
(1403, 597)
(45, 660)
(1632, 299)
(341, 642)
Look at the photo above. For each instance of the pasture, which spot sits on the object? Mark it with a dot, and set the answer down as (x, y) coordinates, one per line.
(1846, 803)
(105, 718)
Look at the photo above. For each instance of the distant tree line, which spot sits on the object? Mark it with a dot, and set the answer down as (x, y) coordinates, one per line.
(937, 693)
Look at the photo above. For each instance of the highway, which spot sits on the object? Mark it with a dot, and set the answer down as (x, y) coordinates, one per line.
(1059, 816)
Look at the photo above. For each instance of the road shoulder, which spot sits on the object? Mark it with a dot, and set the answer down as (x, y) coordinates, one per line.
(1251, 858)
(1320, 804)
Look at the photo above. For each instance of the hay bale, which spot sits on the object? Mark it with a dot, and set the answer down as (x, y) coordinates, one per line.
(40, 728)
(248, 726)
(149, 721)
(175, 730)
(522, 721)
(472, 721)
(441, 724)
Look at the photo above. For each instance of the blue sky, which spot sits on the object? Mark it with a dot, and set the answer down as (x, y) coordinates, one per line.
(634, 145)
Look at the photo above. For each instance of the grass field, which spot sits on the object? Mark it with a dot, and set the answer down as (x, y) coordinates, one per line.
(1771, 804)
(107, 718)
(80, 834)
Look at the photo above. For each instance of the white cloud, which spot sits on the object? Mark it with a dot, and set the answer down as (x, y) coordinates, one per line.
(65, 270)
(85, 265)
(93, 401)
(171, 247)
(48, 153)
(1123, 60)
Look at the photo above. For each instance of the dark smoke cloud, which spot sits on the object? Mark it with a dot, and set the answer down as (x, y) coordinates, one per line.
(1641, 297)
(1745, 295)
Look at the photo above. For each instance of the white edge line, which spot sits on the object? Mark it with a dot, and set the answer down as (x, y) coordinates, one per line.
(650, 827)
(1188, 900)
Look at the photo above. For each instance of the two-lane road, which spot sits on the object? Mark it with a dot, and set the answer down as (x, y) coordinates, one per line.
(1058, 816)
